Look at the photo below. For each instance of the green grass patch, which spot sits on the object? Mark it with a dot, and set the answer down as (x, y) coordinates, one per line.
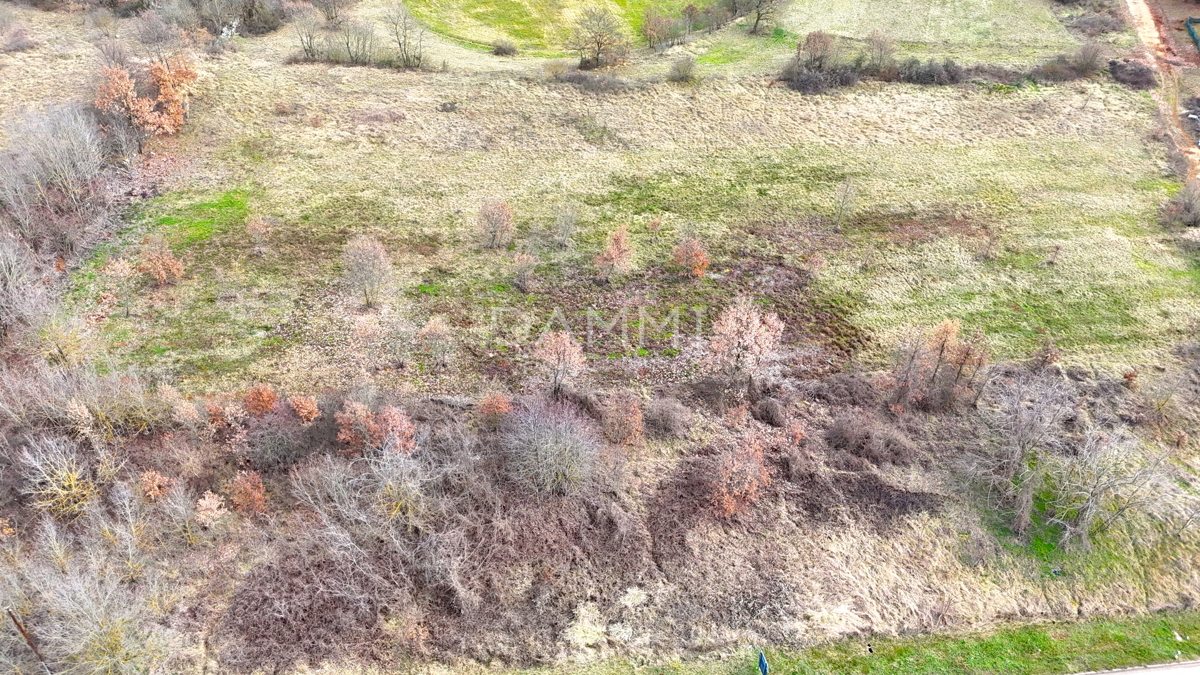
(1038, 649)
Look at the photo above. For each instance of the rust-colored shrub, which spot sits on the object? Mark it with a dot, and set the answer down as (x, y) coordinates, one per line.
(305, 408)
(248, 495)
(691, 257)
(622, 419)
(154, 485)
(561, 357)
(260, 400)
(494, 408)
(397, 430)
(357, 427)
(617, 257)
(739, 475)
(161, 264)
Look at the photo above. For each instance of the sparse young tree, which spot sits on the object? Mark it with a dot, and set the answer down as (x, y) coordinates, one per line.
(617, 256)
(744, 340)
(880, 50)
(599, 39)
(367, 268)
(437, 337)
(334, 11)
(495, 223)
(561, 359)
(819, 51)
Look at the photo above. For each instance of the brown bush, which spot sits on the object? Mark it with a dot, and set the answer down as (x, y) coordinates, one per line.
(160, 263)
(690, 257)
(770, 411)
(622, 418)
(504, 48)
(260, 400)
(357, 427)
(161, 114)
(871, 438)
(738, 476)
(495, 408)
(247, 494)
(397, 430)
(305, 408)
(154, 485)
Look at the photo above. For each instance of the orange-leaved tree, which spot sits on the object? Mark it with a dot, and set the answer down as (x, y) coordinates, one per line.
(161, 112)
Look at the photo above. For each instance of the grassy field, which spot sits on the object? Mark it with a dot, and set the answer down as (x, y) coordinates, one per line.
(1014, 212)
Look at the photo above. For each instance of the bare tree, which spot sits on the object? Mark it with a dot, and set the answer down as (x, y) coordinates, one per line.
(368, 270)
(763, 11)
(334, 11)
(495, 223)
(599, 38)
(880, 49)
(408, 35)
(1104, 479)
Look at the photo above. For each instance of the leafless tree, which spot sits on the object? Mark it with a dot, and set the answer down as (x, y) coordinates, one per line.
(763, 11)
(367, 268)
(560, 357)
(1106, 477)
(599, 38)
(744, 340)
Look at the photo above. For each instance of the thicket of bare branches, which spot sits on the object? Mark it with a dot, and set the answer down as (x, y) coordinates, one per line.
(367, 268)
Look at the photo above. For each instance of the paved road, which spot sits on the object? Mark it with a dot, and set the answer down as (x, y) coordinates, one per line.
(1189, 668)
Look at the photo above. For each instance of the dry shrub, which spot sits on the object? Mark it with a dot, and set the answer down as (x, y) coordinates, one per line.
(260, 400)
(744, 340)
(16, 40)
(938, 370)
(51, 192)
(871, 438)
(551, 448)
(561, 359)
(737, 477)
(683, 70)
(154, 485)
(668, 418)
(1133, 74)
(305, 408)
(495, 223)
(20, 293)
(495, 408)
(57, 477)
(397, 430)
(160, 263)
(247, 494)
(367, 268)
(524, 266)
(770, 411)
(842, 389)
(504, 48)
(690, 257)
(1183, 210)
(210, 509)
(116, 402)
(622, 418)
(617, 256)
(357, 427)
